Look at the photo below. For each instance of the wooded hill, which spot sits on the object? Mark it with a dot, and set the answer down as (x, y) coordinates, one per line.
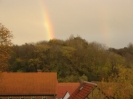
(73, 59)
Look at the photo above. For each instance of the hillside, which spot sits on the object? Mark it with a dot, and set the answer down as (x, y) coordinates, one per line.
(73, 59)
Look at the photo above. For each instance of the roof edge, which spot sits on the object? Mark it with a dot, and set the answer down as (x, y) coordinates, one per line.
(29, 95)
(90, 83)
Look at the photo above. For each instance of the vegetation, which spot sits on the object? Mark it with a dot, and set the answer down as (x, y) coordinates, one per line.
(119, 86)
(73, 59)
(5, 44)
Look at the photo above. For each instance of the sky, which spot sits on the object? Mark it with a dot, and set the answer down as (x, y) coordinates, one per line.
(109, 22)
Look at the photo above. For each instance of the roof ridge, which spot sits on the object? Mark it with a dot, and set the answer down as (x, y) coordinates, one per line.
(90, 83)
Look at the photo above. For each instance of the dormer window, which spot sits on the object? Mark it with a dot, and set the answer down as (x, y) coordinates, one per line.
(81, 88)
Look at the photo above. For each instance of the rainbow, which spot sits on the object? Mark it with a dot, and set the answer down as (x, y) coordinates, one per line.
(47, 23)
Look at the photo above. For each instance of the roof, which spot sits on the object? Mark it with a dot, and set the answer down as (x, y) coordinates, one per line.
(63, 88)
(83, 90)
(28, 83)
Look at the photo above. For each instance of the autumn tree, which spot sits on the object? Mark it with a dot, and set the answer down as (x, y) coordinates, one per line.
(5, 44)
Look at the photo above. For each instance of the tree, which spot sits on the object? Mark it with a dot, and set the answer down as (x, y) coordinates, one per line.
(119, 86)
(124, 80)
(5, 44)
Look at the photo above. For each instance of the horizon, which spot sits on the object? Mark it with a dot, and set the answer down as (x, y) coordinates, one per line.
(106, 22)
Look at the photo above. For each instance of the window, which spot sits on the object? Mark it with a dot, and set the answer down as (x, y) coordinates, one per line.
(44, 97)
(22, 98)
(33, 97)
(10, 98)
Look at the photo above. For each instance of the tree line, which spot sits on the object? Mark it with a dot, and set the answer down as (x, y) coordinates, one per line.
(73, 59)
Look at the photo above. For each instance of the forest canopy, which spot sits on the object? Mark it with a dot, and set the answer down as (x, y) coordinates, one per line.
(73, 59)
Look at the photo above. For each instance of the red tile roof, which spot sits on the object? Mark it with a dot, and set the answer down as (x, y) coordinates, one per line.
(28, 83)
(62, 88)
(83, 90)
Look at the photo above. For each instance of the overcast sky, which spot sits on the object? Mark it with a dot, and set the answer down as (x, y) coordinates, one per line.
(108, 22)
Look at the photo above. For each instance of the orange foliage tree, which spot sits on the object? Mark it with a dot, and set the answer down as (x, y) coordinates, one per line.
(5, 44)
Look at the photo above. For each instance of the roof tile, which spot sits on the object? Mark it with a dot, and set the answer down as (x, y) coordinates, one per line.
(83, 90)
(62, 88)
(28, 83)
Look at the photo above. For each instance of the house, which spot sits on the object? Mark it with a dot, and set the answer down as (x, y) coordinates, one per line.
(64, 90)
(44, 85)
(28, 85)
(88, 90)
